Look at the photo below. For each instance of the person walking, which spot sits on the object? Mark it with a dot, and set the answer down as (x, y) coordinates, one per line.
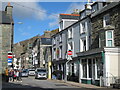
(10, 75)
(20, 75)
(17, 75)
(6, 75)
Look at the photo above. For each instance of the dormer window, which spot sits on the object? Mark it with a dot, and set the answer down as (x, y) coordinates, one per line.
(106, 20)
(94, 8)
(82, 15)
(61, 25)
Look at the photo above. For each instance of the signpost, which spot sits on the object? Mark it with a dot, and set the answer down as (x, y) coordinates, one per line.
(10, 56)
(69, 54)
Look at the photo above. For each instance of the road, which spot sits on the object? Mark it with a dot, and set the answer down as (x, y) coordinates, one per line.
(29, 83)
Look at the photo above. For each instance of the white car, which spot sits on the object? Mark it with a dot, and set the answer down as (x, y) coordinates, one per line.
(41, 73)
(24, 73)
(31, 72)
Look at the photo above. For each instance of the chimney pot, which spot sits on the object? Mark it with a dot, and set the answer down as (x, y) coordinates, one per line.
(8, 4)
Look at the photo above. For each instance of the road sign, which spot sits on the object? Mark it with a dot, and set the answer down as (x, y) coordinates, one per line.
(69, 52)
(9, 63)
(10, 56)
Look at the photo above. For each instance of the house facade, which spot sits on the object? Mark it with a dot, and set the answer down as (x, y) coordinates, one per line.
(94, 42)
(98, 60)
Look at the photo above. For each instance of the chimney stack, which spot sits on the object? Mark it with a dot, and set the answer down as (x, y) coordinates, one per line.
(8, 9)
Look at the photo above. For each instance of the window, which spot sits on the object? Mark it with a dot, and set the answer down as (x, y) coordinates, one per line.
(94, 8)
(60, 55)
(54, 53)
(70, 46)
(84, 66)
(83, 27)
(90, 68)
(61, 25)
(102, 39)
(84, 45)
(70, 33)
(60, 37)
(109, 39)
(82, 15)
(54, 40)
(106, 20)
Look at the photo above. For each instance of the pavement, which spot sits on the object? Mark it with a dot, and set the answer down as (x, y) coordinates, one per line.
(81, 85)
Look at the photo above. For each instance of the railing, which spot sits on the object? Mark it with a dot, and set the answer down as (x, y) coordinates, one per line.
(110, 81)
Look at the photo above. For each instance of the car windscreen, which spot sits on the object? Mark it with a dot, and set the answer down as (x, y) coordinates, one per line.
(41, 70)
(24, 71)
(31, 70)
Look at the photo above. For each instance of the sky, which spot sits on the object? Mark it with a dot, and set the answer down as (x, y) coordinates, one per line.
(37, 17)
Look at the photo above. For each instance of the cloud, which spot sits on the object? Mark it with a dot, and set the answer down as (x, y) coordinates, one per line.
(74, 6)
(29, 10)
(54, 17)
(25, 34)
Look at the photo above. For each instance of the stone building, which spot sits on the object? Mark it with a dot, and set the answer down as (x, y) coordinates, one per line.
(6, 34)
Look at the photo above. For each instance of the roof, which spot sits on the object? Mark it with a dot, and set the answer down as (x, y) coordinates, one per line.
(70, 16)
(6, 19)
(109, 6)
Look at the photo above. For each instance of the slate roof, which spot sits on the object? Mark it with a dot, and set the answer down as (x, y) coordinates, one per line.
(5, 18)
(109, 6)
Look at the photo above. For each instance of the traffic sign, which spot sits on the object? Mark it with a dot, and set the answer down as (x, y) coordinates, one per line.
(9, 63)
(69, 52)
(10, 56)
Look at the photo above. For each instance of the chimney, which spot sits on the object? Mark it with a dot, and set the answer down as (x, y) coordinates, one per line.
(8, 9)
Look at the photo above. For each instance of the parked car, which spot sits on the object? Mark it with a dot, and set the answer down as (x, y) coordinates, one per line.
(31, 72)
(40, 73)
(25, 73)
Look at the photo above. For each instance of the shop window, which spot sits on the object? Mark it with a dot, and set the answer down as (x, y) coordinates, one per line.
(90, 68)
(84, 65)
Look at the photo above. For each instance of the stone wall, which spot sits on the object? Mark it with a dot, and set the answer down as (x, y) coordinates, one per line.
(97, 26)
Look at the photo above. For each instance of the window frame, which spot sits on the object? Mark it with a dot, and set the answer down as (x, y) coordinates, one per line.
(82, 30)
(105, 21)
(70, 29)
(112, 39)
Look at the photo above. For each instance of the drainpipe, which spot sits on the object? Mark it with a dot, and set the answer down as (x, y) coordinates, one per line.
(103, 61)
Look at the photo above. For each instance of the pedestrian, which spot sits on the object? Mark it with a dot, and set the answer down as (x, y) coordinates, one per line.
(20, 75)
(6, 75)
(17, 75)
(10, 75)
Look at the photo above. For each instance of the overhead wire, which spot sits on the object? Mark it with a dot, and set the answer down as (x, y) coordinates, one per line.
(34, 9)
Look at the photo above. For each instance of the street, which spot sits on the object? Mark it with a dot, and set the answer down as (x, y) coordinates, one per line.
(30, 83)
